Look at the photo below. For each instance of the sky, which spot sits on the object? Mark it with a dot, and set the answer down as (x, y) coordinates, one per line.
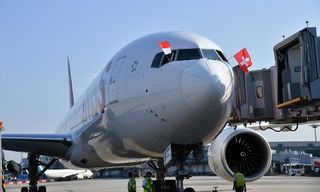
(36, 37)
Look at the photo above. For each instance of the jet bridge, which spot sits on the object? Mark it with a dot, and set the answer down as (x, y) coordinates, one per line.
(288, 92)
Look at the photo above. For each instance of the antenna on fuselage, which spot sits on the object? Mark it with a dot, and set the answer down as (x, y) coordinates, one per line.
(71, 98)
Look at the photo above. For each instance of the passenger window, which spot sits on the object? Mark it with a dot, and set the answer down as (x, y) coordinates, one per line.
(210, 54)
(157, 59)
(222, 56)
(188, 54)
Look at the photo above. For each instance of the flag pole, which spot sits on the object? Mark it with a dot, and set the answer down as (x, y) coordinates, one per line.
(230, 57)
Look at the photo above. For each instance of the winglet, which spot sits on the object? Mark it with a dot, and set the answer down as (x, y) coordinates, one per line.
(71, 98)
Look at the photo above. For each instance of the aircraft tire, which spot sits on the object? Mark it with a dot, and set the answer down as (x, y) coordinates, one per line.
(189, 189)
(24, 189)
(42, 189)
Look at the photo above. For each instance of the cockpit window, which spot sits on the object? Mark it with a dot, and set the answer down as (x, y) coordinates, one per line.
(210, 54)
(188, 54)
(157, 59)
(162, 59)
(222, 56)
(168, 58)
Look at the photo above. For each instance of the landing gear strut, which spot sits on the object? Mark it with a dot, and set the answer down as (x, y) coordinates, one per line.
(159, 183)
(33, 164)
(179, 155)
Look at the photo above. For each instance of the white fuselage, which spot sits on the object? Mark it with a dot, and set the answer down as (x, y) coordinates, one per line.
(133, 111)
(68, 173)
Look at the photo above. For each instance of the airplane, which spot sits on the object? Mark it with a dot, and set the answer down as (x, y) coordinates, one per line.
(150, 105)
(67, 174)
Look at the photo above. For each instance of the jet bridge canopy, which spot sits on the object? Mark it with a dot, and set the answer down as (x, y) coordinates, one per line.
(288, 92)
(298, 67)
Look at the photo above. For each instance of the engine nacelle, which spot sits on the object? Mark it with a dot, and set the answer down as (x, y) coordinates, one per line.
(243, 149)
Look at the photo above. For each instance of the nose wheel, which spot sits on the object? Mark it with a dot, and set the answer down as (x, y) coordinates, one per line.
(179, 155)
(33, 168)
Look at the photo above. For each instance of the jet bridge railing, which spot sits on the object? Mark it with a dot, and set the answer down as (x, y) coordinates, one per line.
(288, 92)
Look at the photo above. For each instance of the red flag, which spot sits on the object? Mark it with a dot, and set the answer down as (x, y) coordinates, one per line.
(166, 47)
(244, 60)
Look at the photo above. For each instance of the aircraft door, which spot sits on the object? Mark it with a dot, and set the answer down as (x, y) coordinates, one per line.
(114, 78)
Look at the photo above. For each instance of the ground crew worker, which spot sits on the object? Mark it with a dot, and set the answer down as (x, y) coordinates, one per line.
(3, 185)
(147, 183)
(239, 184)
(132, 187)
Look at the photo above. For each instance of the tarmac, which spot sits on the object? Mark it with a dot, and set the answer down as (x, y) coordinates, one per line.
(199, 183)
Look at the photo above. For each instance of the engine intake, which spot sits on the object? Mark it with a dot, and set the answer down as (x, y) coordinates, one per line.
(243, 149)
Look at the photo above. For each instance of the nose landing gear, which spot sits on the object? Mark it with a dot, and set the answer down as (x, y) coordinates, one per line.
(179, 154)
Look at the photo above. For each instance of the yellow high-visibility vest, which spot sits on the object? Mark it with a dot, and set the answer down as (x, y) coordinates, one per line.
(132, 185)
(3, 185)
(148, 185)
(239, 180)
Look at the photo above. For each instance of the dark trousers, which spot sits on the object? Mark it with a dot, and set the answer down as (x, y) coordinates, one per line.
(239, 189)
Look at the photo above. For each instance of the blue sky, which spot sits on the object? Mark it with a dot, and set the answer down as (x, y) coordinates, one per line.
(36, 36)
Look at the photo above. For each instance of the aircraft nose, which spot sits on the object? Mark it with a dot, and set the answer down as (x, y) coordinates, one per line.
(206, 85)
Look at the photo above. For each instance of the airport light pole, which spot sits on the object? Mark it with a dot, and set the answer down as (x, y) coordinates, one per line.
(315, 126)
(1, 128)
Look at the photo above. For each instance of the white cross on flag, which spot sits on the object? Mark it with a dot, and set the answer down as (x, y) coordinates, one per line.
(244, 60)
(166, 47)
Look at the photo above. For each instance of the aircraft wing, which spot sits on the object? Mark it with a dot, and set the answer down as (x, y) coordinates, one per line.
(55, 145)
(72, 175)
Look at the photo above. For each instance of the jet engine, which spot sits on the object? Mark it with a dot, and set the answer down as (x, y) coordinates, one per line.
(242, 149)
